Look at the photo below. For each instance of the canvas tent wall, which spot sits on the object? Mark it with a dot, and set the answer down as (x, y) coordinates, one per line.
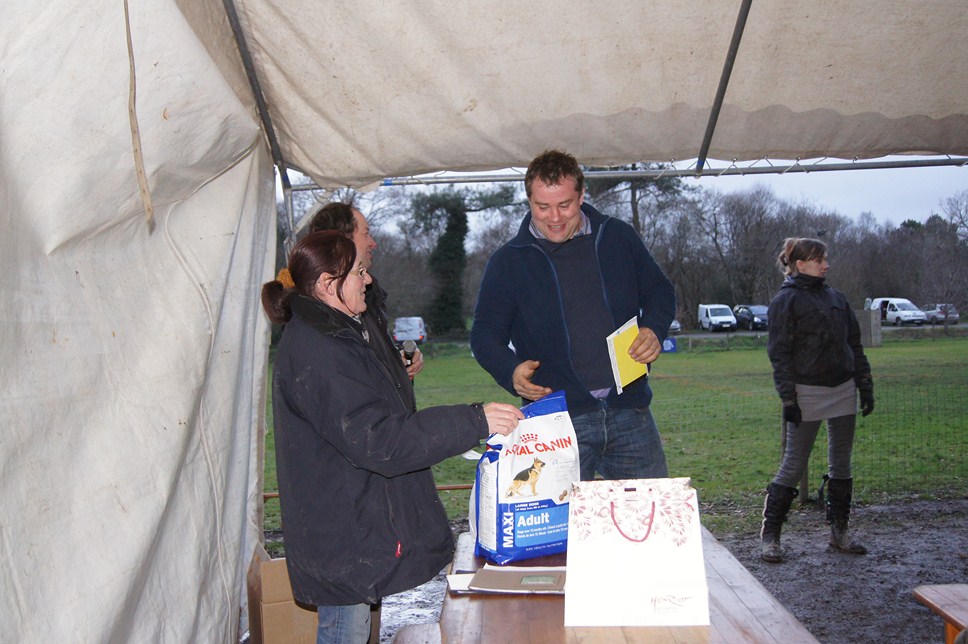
(133, 354)
(134, 350)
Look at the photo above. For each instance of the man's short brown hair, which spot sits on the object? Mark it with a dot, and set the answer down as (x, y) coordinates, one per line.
(336, 216)
(552, 167)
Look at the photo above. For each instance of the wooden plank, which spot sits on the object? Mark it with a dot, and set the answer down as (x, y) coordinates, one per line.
(744, 603)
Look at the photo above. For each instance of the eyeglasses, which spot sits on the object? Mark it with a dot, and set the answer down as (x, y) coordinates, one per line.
(362, 272)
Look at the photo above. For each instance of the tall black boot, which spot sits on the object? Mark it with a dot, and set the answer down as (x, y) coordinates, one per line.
(775, 509)
(839, 494)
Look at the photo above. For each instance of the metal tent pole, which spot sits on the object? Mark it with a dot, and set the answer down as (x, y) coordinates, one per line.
(738, 29)
(263, 108)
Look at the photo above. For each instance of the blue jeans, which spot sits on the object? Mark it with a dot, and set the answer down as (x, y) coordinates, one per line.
(343, 624)
(619, 444)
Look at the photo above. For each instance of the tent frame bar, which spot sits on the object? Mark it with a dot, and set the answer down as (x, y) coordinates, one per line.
(738, 29)
(685, 173)
(260, 101)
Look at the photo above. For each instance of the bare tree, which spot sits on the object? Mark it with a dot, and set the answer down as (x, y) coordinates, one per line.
(713, 247)
(945, 262)
(854, 261)
(687, 259)
(755, 232)
(955, 208)
(403, 273)
(641, 201)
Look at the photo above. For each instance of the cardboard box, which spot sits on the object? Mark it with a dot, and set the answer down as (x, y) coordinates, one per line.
(274, 615)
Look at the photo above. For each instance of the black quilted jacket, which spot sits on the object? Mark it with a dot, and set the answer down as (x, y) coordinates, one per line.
(814, 338)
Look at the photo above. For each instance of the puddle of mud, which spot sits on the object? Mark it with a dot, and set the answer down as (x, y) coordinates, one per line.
(418, 606)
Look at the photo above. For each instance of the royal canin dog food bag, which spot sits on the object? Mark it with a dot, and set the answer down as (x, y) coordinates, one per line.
(519, 504)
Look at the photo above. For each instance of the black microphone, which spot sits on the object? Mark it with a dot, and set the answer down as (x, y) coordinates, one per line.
(409, 348)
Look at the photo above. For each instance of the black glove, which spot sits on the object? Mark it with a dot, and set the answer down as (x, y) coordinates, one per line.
(866, 402)
(791, 412)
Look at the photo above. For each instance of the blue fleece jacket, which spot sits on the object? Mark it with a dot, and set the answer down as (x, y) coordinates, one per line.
(520, 302)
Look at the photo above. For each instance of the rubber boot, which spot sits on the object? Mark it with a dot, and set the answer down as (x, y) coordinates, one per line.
(775, 509)
(839, 494)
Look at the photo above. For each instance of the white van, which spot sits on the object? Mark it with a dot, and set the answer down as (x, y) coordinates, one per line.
(897, 311)
(714, 317)
(410, 328)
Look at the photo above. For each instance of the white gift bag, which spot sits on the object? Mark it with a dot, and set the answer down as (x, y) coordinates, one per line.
(519, 504)
(635, 555)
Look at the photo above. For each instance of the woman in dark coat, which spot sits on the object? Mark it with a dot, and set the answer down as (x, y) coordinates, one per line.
(360, 509)
(819, 367)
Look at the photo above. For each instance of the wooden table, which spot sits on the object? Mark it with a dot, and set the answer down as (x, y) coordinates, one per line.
(740, 610)
(950, 601)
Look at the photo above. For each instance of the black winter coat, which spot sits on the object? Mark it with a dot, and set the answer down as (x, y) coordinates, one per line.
(360, 512)
(375, 321)
(814, 338)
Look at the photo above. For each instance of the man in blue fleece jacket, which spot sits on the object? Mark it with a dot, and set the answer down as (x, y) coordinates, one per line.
(569, 278)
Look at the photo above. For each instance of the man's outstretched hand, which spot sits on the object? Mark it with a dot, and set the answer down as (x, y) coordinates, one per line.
(521, 378)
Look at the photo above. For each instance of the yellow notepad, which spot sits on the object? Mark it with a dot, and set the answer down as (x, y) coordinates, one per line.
(624, 368)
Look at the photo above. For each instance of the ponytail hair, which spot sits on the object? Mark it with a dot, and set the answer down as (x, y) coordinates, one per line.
(316, 253)
(802, 249)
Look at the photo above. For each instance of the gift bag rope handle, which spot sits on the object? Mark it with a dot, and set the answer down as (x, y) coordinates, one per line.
(648, 529)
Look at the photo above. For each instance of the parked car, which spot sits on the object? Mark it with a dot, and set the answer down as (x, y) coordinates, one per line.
(409, 328)
(898, 311)
(751, 316)
(714, 317)
(941, 313)
(675, 328)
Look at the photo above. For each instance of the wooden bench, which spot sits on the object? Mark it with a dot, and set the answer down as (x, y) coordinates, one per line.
(950, 601)
(740, 610)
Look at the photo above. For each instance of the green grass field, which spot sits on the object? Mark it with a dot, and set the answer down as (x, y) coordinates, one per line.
(720, 422)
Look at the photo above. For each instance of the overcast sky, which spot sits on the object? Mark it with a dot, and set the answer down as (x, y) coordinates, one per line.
(891, 195)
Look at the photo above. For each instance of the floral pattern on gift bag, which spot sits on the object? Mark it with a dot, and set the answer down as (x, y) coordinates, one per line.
(635, 555)
(659, 508)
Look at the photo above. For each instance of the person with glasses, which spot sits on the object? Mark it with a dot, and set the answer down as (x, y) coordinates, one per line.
(360, 510)
(345, 218)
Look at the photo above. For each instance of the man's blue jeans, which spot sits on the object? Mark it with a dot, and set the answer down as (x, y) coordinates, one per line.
(343, 624)
(619, 444)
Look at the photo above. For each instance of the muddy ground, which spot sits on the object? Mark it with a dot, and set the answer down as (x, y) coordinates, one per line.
(849, 598)
(839, 598)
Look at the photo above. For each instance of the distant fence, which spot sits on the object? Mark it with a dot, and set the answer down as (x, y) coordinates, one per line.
(915, 442)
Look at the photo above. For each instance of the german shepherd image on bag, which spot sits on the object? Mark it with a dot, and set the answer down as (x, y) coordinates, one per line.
(529, 477)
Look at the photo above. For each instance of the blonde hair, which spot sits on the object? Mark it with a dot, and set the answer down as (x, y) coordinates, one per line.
(799, 249)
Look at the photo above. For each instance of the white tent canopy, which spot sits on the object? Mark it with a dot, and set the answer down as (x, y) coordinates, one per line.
(363, 92)
(134, 348)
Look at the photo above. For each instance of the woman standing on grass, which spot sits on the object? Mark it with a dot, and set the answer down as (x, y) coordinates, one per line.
(360, 510)
(818, 367)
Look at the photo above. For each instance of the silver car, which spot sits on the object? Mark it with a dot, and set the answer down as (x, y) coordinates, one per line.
(941, 313)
